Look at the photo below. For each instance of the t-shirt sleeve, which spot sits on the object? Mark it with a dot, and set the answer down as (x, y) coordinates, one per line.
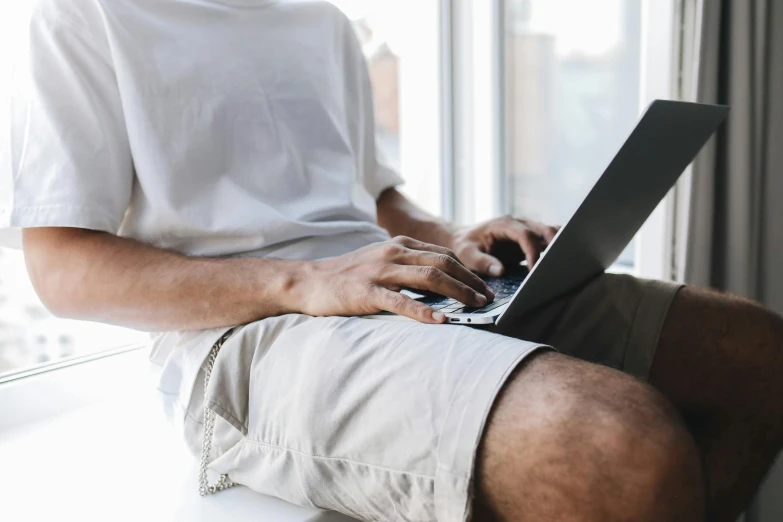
(382, 176)
(68, 160)
(378, 174)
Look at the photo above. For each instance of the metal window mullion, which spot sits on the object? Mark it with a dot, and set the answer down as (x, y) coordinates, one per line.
(503, 196)
(447, 78)
(462, 110)
(653, 248)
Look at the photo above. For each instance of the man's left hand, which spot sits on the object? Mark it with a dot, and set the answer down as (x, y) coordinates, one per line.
(474, 245)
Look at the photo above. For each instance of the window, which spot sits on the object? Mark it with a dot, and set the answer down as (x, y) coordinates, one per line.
(577, 77)
(573, 75)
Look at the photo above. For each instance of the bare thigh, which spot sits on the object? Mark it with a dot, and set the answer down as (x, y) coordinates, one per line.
(570, 440)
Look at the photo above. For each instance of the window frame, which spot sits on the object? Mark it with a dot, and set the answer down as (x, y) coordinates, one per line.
(478, 53)
(689, 30)
(67, 362)
(659, 72)
(447, 107)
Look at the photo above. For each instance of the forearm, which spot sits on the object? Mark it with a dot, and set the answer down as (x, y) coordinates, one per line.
(402, 218)
(99, 277)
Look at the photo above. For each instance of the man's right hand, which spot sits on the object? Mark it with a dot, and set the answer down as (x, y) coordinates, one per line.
(369, 281)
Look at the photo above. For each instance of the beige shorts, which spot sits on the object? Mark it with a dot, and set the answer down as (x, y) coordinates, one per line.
(381, 420)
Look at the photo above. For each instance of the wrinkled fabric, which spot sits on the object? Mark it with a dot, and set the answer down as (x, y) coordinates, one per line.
(377, 419)
(210, 128)
(231, 128)
(381, 419)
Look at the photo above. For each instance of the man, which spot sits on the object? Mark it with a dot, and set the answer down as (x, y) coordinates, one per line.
(189, 166)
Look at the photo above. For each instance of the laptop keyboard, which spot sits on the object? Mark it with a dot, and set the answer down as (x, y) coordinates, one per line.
(504, 288)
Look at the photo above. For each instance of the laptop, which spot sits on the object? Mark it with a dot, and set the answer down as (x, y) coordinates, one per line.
(663, 144)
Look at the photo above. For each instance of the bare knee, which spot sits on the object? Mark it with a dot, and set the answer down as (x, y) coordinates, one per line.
(652, 468)
(721, 356)
(572, 441)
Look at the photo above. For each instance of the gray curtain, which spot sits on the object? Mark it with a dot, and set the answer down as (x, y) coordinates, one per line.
(735, 239)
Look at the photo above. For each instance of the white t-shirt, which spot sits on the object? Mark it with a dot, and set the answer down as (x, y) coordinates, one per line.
(211, 127)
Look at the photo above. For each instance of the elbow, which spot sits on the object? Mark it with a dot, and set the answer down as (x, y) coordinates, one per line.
(53, 272)
(55, 303)
(48, 280)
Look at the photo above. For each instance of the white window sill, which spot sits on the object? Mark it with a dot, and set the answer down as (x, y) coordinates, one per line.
(89, 442)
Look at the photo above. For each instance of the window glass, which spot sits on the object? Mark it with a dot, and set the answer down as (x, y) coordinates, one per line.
(573, 77)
